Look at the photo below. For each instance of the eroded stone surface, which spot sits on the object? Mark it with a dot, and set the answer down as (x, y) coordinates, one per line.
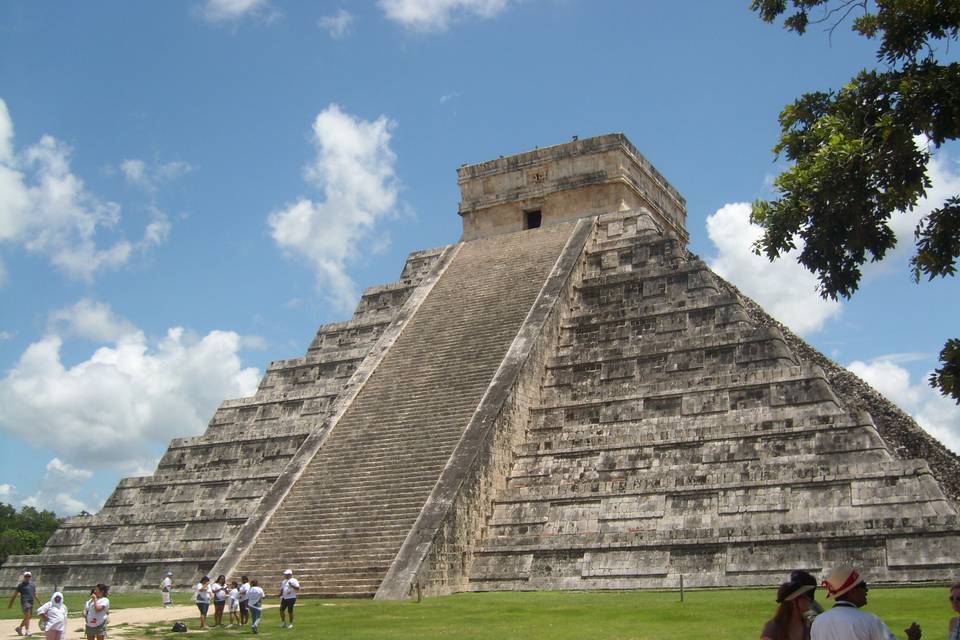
(641, 420)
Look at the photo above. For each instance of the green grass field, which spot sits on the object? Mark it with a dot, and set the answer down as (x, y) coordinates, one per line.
(575, 615)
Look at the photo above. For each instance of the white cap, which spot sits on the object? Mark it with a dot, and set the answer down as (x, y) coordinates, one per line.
(27, 574)
(288, 572)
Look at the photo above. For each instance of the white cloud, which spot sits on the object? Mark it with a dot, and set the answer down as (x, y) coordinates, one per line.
(115, 408)
(944, 174)
(254, 342)
(63, 503)
(447, 97)
(232, 11)
(354, 171)
(437, 15)
(60, 469)
(338, 25)
(90, 320)
(6, 335)
(938, 415)
(151, 176)
(135, 171)
(783, 288)
(6, 492)
(48, 210)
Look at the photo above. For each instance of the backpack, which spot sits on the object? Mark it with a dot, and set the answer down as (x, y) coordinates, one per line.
(179, 627)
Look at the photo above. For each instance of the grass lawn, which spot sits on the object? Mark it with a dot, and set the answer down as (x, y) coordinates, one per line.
(575, 615)
(75, 601)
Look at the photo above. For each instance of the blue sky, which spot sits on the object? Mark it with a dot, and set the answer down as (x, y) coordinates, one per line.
(189, 189)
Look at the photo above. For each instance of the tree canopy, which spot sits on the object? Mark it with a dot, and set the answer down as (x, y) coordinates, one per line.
(24, 532)
(856, 159)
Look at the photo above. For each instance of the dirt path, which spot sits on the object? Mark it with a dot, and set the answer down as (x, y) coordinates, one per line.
(124, 623)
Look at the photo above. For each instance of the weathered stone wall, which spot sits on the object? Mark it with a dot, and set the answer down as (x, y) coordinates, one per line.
(677, 436)
(565, 182)
(904, 437)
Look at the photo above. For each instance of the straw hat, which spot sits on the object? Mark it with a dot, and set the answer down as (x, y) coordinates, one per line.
(841, 580)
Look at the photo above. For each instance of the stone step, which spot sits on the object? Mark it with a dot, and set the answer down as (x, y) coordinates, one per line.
(582, 439)
(396, 436)
(693, 478)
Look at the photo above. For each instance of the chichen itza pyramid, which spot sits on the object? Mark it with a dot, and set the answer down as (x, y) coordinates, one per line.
(565, 399)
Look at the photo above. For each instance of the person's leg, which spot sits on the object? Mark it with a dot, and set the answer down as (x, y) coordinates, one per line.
(290, 613)
(283, 612)
(243, 613)
(255, 617)
(27, 614)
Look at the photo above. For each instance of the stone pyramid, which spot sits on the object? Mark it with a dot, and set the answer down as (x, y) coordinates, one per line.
(565, 399)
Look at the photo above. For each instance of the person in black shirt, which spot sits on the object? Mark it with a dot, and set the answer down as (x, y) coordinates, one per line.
(27, 591)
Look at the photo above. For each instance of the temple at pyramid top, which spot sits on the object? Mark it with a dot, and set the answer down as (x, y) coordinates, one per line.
(556, 184)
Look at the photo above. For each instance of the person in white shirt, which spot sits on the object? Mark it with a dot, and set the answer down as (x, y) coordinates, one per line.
(255, 596)
(244, 588)
(202, 599)
(233, 602)
(96, 613)
(166, 586)
(845, 621)
(54, 615)
(288, 597)
(219, 590)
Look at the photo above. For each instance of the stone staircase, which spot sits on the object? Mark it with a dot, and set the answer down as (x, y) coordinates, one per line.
(182, 516)
(342, 523)
(675, 437)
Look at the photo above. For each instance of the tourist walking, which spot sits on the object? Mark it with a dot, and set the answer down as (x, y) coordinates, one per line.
(202, 598)
(96, 613)
(233, 602)
(27, 591)
(954, 627)
(54, 617)
(244, 589)
(289, 587)
(845, 621)
(166, 589)
(789, 621)
(255, 596)
(219, 590)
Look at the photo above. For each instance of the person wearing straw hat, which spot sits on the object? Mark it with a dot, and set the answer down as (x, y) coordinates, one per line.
(789, 622)
(845, 621)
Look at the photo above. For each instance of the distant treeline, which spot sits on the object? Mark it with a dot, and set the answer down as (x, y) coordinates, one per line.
(25, 531)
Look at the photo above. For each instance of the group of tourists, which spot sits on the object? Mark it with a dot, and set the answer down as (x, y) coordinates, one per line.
(52, 615)
(800, 617)
(243, 600)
